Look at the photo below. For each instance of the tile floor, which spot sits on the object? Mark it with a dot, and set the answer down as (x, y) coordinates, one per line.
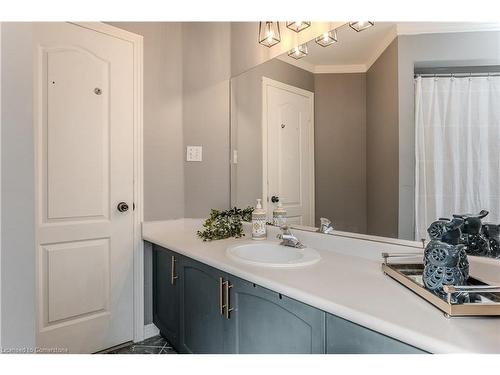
(153, 345)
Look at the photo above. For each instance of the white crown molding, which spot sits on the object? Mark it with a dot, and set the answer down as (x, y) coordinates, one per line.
(302, 64)
(354, 68)
(324, 69)
(413, 28)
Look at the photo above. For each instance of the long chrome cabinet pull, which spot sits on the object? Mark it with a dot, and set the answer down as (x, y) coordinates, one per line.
(228, 308)
(221, 297)
(173, 276)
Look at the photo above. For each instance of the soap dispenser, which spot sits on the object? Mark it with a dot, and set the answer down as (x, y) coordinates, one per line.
(279, 215)
(259, 222)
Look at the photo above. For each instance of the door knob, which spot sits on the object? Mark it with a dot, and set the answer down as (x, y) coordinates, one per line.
(122, 207)
(275, 199)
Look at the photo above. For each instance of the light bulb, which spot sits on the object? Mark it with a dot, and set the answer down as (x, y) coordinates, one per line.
(325, 37)
(270, 33)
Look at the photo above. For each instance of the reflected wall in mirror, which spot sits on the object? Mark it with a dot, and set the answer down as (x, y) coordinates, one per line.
(382, 132)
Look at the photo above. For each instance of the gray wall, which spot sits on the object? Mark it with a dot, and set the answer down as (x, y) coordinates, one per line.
(163, 128)
(451, 49)
(163, 131)
(206, 74)
(243, 59)
(18, 192)
(246, 124)
(382, 164)
(340, 150)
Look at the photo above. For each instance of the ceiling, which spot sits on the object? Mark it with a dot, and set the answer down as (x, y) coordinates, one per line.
(357, 51)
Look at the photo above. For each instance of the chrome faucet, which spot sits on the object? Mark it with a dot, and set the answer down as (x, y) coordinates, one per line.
(288, 239)
(325, 226)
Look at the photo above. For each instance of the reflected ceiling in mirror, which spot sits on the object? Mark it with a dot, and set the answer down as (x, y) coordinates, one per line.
(334, 134)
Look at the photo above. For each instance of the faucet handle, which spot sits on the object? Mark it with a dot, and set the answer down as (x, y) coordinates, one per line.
(325, 226)
(285, 229)
(325, 221)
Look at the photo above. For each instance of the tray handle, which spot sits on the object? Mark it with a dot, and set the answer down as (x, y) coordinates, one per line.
(386, 256)
(451, 289)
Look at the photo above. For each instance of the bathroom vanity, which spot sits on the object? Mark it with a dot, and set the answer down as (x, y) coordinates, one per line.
(204, 301)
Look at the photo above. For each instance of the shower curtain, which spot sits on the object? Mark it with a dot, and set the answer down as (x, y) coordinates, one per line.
(457, 150)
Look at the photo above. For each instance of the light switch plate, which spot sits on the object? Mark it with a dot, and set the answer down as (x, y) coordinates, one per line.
(194, 153)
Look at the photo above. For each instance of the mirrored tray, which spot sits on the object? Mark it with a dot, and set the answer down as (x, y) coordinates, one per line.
(484, 298)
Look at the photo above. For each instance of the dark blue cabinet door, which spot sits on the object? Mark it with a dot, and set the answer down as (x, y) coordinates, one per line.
(263, 321)
(166, 293)
(345, 337)
(201, 323)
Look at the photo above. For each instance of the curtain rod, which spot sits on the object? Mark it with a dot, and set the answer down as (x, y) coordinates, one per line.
(458, 75)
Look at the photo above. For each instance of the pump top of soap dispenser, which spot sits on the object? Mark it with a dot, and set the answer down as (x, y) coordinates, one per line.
(258, 208)
(279, 207)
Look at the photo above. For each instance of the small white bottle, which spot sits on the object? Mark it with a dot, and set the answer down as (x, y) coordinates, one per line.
(259, 219)
(279, 215)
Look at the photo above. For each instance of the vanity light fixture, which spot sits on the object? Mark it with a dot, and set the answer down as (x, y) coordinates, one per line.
(298, 52)
(327, 38)
(298, 26)
(269, 33)
(361, 25)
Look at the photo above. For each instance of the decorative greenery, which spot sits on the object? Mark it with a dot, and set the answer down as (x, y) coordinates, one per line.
(225, 224)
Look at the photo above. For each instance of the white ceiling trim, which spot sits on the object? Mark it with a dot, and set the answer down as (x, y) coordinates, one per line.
(324, 69)
(413, 28)
(302, 64)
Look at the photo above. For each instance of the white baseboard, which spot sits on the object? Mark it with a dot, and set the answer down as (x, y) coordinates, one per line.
(150, 330)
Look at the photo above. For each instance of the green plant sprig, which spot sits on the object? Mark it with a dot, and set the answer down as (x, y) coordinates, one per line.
(225, 224)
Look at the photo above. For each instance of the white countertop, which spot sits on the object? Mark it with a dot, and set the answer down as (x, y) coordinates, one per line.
(347, 282)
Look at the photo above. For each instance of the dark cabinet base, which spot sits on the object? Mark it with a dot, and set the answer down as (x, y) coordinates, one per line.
(187, 310)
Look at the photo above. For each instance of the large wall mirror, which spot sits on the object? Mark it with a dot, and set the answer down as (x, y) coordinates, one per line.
(382, 132)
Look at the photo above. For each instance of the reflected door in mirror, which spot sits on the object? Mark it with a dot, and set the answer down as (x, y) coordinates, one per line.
(288, 123)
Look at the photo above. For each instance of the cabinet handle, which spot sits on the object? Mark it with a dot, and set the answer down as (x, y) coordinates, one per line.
(228, 309)
(221, 297)
(173, 276)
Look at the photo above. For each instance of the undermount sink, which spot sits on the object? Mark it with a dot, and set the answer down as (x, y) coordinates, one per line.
(271, 254)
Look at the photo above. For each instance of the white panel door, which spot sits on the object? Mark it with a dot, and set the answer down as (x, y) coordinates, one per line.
(84, 154)
(288, 117)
